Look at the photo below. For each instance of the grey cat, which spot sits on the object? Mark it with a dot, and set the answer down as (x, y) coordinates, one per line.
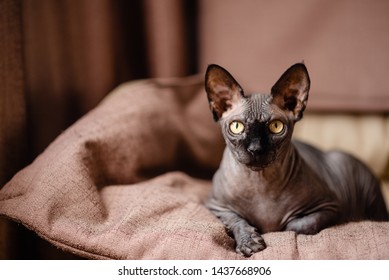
(266, 182)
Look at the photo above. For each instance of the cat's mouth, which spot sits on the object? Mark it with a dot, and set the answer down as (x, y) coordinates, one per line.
(258, 162)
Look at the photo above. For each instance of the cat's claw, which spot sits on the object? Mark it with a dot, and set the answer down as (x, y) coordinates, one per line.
(250, 244)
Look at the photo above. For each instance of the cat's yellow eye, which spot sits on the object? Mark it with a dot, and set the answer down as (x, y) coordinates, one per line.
(236, 127)
(276, 127)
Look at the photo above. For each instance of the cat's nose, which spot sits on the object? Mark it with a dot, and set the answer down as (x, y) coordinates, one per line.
(254, 147)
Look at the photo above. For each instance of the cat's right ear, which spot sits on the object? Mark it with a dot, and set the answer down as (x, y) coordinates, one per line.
(291, 91)
(222, 90)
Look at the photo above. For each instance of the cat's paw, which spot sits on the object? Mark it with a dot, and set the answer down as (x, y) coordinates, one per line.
(250, 243)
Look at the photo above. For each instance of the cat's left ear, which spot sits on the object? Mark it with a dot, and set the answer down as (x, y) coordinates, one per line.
(222, 90)
(290, 92)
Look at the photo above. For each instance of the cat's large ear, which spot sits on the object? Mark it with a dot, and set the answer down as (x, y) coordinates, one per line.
(222, 90)
(290, 92)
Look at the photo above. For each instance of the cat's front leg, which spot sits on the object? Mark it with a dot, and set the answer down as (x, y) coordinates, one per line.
(312, 223)
(247, 238)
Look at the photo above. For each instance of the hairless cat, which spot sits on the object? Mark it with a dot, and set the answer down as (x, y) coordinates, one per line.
(268, 182)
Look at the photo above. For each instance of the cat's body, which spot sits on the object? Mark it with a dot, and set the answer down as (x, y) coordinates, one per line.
(267, 182)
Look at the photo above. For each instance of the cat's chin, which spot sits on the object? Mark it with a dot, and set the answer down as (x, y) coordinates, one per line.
(257, 166)
(260, 162)
(255, 163)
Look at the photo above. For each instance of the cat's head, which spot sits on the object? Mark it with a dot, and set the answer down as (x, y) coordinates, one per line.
(258, 127)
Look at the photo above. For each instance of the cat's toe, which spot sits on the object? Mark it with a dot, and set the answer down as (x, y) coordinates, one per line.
(250, 245)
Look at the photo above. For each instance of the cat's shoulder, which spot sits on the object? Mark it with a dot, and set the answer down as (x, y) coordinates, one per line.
(305, 148)
(334, 156)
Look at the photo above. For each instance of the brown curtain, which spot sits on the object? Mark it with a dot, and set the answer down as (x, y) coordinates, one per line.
(77, 51)
(12, 104)
(12, 101)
